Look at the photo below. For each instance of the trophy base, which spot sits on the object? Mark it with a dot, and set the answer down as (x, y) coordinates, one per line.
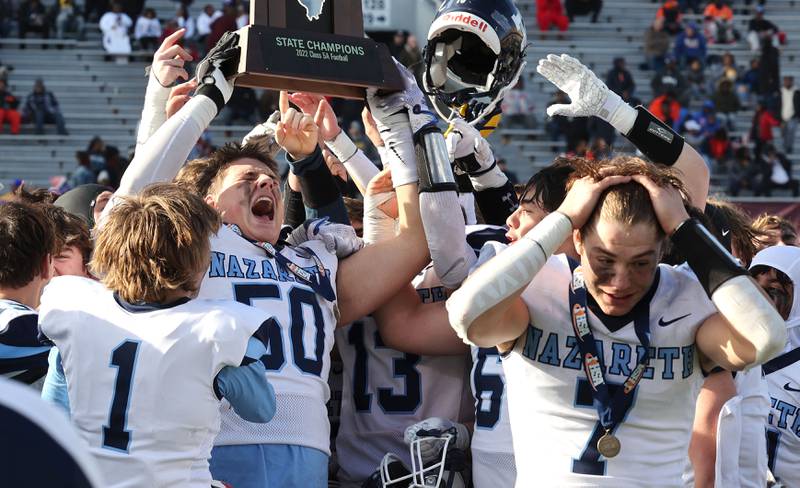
(304, 61)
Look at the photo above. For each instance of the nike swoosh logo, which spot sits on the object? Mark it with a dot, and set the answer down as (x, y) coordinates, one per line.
(726, 232)
(789, 388)
(664, 323)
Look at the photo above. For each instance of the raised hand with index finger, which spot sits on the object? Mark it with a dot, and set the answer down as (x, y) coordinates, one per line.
(169, 60)
(319, 108)
(296, 132)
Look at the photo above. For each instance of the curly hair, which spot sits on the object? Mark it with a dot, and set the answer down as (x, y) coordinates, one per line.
(155, 243)
(200, 175)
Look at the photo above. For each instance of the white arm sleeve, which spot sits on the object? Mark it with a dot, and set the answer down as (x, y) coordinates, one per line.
(753, 315)
(358, 166)
(162, 156)
(443, 221)
(509, 272)
(154, 112)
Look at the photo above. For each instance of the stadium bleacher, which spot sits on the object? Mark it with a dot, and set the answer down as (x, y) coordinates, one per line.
(100, 97)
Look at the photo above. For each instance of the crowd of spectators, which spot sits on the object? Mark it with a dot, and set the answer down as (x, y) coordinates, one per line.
(699, 94)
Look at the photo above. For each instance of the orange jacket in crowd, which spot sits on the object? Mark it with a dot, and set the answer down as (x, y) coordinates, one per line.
(669, 5)
(722, 13)
(657, 108)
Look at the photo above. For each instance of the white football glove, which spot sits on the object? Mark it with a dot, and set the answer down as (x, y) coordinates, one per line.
(410, 102)
(267, 128)
(339, 239)
(464, 140)
(435, 427)
(398, 116)
(589, 95)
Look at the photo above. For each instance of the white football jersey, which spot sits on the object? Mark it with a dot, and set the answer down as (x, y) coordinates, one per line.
(554, 423)
(22, 357)
(141, 379)
(741, 454)
(384, 391)
(783, 429)
(492, 449)
(300, 337)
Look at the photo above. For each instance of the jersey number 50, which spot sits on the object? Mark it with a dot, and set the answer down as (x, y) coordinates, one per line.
(298, 297)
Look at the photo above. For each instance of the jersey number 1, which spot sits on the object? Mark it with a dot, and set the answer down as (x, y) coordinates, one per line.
(123, 357)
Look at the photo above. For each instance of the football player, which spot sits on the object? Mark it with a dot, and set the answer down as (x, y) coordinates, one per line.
(150, 416)
(27, 246)
(305, 288)
(647, 317)
(777, 270)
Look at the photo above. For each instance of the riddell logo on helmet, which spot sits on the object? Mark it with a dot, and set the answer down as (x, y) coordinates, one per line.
(466, 19)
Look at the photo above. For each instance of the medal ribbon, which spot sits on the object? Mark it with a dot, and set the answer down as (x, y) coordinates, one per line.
(319, 282)
(611, 411)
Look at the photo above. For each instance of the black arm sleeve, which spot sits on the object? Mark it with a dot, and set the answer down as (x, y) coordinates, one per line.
(295, 211)
(497, 204)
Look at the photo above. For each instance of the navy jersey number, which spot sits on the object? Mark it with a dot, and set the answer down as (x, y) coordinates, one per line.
(403, 366)
(271, 331)
(589, 462)
(123, 357)
(484, 385)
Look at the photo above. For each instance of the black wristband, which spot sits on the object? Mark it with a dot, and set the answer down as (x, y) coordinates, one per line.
(497, 204)
(463, 183)
(433, 164)
(211, 91)
(295, 213)
(655, 139)
(711, 263)
(317, 184)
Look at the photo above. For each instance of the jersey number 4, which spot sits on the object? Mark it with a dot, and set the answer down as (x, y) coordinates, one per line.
(298, 297)
(404, 367)
(123, 357)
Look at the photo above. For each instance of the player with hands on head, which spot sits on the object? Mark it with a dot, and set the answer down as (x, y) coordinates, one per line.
(618, 297)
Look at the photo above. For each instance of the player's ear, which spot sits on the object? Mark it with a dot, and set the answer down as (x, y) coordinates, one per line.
(577, 240)
(47, 270)
(209, 199)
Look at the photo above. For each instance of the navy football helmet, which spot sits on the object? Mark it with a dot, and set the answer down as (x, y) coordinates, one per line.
(474, 55)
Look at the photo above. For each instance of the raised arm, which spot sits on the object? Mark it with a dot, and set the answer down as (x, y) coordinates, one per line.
(167, 67)
(406, 126)
(656, 140)
(747, 330)
(488, 309)
(166, 150)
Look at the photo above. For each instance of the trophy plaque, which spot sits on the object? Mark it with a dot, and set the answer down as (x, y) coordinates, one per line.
(313, 46)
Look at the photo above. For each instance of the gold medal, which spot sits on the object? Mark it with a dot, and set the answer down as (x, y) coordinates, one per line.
(608, 445)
